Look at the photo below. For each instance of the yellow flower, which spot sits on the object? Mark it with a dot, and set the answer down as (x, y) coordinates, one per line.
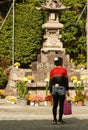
(17, 64)
(24, 79)
(30, 65)
(30, 97)
(74, 78)
(11, 99)
(78, 83)
(75, 81)
(71, 60)
(30, 77)
(73, 99)
(83, 77)
(2, 92)
(20, 78)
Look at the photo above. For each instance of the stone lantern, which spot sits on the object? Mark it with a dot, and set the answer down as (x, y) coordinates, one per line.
(52, 27)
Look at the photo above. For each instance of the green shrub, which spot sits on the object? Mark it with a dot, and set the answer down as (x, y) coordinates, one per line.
(3, 79)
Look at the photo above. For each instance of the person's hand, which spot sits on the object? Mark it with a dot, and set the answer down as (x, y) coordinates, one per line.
(67, 93)
(50, 93)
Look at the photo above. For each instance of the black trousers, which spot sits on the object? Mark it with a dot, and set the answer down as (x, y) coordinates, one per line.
(58, 99)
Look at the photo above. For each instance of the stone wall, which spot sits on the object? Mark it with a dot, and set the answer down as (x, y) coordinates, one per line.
(38, 87)
(14, 75)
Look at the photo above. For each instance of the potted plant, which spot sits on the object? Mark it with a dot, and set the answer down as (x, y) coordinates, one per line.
(79, 89)
(48, 99)
(79, 98)
(2, 93)
(22, 89)
(35, 99)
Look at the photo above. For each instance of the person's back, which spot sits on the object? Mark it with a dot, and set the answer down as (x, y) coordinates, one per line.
(58, 75)
(58, 85)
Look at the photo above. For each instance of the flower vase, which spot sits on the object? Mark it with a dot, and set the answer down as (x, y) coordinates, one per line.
(16, 67)
(49, 103)
(80, 103)
(36, 104)
(32, 103)
(23, 102)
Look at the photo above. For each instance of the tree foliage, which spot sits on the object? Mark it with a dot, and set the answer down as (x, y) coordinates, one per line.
(3, 79)
(74, 33)
(29, 33)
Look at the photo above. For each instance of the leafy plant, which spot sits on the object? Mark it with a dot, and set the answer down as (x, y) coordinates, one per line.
(79, 97)
(48, 98)
(22, 89)
(3, 79)
(79, 88)
(78, 84)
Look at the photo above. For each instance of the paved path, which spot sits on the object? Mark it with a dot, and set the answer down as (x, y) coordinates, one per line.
(17, 117)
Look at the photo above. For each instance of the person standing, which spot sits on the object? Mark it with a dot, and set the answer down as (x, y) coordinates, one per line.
(58, 86)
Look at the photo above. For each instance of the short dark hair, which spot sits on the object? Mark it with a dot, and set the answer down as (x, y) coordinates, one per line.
(58, 61)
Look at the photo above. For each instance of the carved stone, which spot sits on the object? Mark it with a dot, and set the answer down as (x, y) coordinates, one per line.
(52, 45)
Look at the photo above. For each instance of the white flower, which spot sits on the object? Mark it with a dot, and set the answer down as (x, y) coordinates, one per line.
(46, 80)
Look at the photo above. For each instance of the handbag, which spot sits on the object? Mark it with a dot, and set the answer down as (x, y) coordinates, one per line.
(56, 89)
(67, 109)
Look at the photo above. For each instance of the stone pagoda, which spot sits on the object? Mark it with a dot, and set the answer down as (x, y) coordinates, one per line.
(52, 27)
(52, 45)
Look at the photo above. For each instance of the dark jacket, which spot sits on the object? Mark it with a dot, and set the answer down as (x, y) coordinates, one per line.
(61, 80)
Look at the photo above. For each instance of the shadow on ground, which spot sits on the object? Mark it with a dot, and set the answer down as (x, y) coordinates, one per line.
(71, 124)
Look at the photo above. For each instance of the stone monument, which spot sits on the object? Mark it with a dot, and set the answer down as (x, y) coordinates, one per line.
(52, 45)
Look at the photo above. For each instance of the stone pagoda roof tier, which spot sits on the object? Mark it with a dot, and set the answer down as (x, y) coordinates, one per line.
(48, 8)
(52, 25)
(47, 49)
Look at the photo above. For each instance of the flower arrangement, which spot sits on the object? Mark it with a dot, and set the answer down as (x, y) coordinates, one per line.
(48, 98)
(30, 97)
(35, 98)
(30, 78)
(25, 79)
(16, 64)
(79, 88)
(78, 84)
(78, 97)
(11, 99)
(22, 88)
(2, 92)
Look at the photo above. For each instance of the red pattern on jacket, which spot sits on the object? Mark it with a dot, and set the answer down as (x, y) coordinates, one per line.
(58, 71)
